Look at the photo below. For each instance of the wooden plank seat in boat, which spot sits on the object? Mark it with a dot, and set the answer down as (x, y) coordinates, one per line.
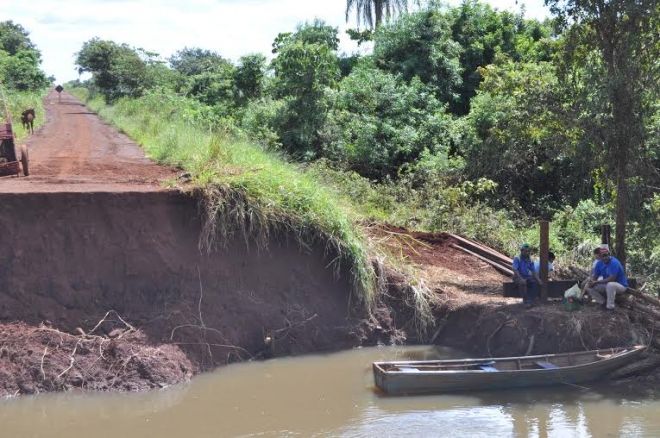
(488, 368)
(546, 365)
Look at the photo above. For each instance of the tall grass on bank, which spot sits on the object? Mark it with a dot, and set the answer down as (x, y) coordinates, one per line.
(19, 101)
(248, 191)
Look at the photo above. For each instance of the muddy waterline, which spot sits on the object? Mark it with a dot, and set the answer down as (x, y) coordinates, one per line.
(330, 395)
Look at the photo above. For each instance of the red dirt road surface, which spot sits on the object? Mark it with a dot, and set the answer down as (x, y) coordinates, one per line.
(75, 151)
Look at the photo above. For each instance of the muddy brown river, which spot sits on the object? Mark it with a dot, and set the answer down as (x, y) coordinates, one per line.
(329, 395)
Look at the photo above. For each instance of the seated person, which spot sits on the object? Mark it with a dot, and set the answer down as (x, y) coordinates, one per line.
(551, 264)
(613, 280)
(525, 277)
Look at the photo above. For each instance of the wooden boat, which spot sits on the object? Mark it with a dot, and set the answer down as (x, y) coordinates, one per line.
(438, 376)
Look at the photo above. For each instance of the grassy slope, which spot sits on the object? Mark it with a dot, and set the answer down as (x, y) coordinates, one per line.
(17, 102)
(248, 189)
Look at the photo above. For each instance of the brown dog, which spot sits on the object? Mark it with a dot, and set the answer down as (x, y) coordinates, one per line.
(27, 118)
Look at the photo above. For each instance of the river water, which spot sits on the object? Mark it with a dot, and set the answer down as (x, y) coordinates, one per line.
(328, 395)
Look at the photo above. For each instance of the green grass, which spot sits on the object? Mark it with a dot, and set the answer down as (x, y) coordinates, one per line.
(17, 102)
(247, 191)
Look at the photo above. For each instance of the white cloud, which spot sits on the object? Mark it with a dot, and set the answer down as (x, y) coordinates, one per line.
(230, 27)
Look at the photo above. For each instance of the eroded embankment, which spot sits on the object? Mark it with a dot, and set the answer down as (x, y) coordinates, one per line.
(111, 291)
(67, 259)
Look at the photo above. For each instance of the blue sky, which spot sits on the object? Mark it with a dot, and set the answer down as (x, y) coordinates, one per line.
(230, 27)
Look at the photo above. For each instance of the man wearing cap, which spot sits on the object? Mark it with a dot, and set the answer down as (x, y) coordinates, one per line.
(525, 276)
(613, 280)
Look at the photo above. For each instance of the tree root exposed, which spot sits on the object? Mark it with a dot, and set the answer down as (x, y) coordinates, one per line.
(120, 360)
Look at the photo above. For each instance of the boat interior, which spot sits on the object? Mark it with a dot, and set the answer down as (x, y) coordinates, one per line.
(541, 362)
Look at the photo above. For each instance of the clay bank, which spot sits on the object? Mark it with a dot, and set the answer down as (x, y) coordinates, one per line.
(110, 281)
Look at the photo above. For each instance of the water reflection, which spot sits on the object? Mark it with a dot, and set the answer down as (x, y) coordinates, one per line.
(328, 396)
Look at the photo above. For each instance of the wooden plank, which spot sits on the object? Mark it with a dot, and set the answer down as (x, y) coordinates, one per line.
(483, 250)
(496, 265)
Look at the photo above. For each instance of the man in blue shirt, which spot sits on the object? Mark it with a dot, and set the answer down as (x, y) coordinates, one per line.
(551, 265)
(613, 279)
(525, 276)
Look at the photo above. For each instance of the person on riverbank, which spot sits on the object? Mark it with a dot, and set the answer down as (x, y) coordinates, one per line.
(551, 264)
(525, 276)
(608, 278)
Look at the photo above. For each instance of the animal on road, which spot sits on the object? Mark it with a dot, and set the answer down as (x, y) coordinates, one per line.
(27, 118)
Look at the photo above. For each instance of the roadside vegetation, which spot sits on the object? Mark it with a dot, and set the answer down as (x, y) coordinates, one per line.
(23, 83)
(462, 119)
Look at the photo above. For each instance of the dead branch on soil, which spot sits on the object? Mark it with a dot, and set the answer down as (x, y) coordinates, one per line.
(72, 361)
(290, 326)
(41, 367)
(530, 347)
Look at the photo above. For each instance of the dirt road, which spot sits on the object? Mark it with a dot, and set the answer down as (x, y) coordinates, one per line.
(75, 151)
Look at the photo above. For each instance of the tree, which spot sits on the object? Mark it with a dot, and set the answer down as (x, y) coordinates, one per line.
(484, 35)
(420, 45)
(624, 33)
(372, 12)
(14, 38)
(249, 77)
(379, 123)
(117, 70)
(306, 66)
(19, 59)
(516, 135)
(194, 61)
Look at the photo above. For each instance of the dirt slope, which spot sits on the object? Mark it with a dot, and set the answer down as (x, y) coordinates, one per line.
(75, 151)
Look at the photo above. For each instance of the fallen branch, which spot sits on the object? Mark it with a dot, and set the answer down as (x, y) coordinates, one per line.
(43, 357)
(73, 359)
(233, 347)
(530, 347)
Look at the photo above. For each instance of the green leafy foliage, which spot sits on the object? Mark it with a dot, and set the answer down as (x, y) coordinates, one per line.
(420, 45)
(379, 122)
(305, 68)
(19, 59)
(117, 69)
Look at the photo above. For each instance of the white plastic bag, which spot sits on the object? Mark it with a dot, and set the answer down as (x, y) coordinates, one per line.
(574, 292)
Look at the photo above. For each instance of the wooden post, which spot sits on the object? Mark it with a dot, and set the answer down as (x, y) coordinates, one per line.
(605, 233)
(544, 248)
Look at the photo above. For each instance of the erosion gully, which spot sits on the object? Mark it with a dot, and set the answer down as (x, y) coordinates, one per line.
(329, 395)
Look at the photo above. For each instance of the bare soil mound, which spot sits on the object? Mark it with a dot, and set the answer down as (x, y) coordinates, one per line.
(40, 359)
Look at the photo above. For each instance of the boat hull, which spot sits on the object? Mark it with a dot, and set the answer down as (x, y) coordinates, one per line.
(412, 381)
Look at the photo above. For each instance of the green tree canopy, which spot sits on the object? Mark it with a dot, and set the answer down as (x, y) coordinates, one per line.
(19, 59)
(420, 45)
(117, 70)
(379, 122)
(305, 68)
